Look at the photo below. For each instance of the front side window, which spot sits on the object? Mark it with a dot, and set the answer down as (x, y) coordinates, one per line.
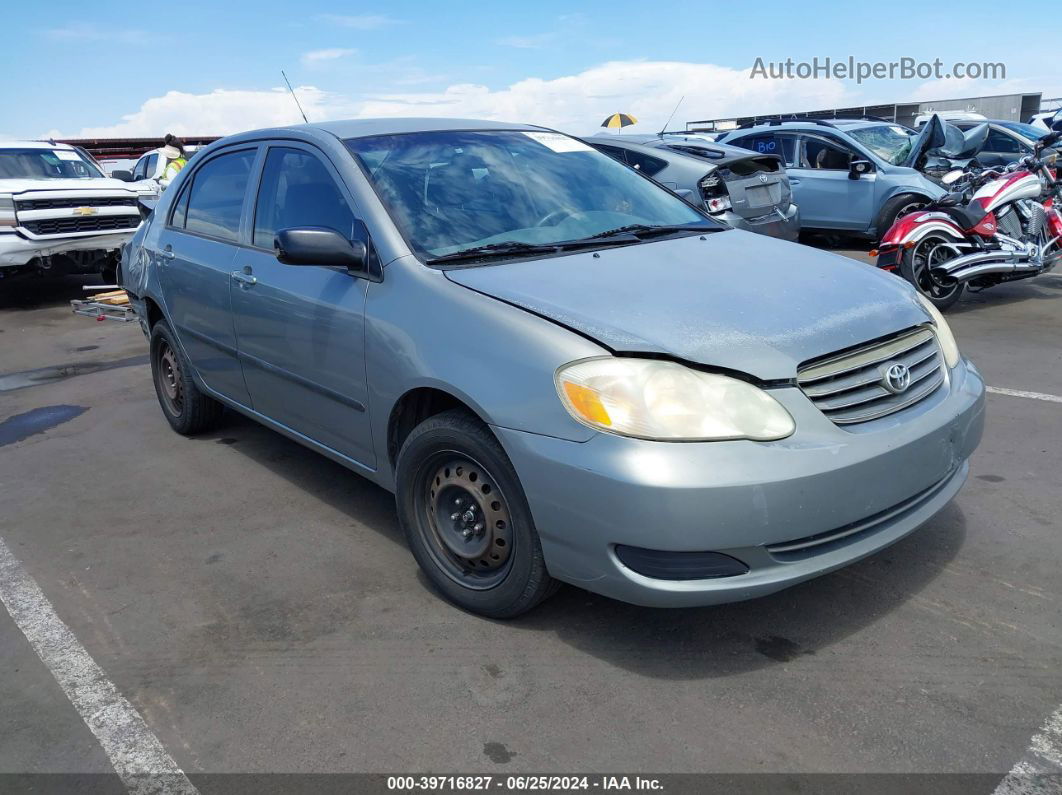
(455, 190)
(297, 190)
(215, 200)
(822, 154)
(140, 169)
(31, 163)
(1001, 142)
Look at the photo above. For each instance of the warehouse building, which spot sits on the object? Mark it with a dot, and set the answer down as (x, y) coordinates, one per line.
(1012, 107)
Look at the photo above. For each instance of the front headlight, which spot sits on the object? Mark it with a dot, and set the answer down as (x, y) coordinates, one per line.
(944, 335)
(7, 213)
(651, 399)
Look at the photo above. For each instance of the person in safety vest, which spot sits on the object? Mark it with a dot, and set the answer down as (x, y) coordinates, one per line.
(173, 151)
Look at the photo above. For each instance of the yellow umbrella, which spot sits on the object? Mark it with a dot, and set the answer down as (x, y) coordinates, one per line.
(618, 121)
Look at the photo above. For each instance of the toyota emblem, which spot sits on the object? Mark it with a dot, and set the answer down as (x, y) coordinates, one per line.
(763, 178)
(897, 378)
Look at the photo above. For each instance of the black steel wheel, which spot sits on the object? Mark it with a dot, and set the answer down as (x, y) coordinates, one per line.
(466, 518)
(185, 407)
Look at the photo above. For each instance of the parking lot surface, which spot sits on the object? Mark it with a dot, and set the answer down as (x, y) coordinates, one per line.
(257, 604)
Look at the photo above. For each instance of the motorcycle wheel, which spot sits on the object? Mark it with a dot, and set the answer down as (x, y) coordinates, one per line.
(917, 267)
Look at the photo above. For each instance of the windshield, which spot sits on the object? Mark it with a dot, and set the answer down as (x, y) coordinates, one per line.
(1027, 131)
(891, 142)
(45, 164)
(455, 190)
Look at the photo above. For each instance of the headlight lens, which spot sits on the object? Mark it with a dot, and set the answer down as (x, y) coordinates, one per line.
(651, 399)
(944, 335)
(7, 211)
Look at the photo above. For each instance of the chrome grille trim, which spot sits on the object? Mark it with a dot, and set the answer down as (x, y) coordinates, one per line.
(848, 387)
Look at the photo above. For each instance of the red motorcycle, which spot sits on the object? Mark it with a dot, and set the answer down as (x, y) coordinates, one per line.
(993, 227)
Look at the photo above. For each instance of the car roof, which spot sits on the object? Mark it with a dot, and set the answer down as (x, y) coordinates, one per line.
(814, 124)
(358, 128)
(656, 143)
(33, 145)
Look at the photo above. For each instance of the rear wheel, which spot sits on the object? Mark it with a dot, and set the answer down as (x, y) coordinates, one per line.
(917, 266)
(466, 518)
(186, 408)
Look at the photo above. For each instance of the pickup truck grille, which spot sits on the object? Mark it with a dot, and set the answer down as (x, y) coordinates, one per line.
(54, 204)
(850, 387)
(66, 226)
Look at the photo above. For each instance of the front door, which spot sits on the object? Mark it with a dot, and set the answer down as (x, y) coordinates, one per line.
(300, 329)
(827, 198)
(195, 255)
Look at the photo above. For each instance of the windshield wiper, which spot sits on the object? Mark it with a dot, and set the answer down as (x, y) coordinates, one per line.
(648, 230)
(495, 250)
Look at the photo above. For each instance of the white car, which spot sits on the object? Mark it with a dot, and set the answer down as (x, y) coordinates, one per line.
(949, 115)
(1043, 119)
(59, 213)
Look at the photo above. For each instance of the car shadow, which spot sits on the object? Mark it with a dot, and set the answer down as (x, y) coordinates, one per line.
(40, 292)
(1046, 287)
(680, 644)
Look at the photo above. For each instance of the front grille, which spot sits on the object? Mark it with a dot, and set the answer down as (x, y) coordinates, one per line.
(802, 548)
(849, 388)
(66, 226)
(58, 204)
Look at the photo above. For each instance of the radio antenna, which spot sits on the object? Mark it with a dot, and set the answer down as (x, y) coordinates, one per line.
(297, 99)
(669, 118)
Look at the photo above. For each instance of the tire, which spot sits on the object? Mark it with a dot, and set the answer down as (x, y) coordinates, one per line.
(187, 410)
(895, 207)
(914, 268)
(466, 518)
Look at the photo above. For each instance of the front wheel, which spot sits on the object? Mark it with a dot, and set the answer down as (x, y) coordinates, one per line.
(466, 518)
(917, 264)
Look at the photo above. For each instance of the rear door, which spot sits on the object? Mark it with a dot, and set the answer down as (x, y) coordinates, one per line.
(301, 329)
(757, 185)
(196, 252)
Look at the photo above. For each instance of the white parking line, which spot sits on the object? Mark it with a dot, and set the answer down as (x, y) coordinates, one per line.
(138, 757)
(1040, 770)
(998, 390)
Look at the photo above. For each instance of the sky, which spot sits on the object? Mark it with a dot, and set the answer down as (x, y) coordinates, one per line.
(115, 68)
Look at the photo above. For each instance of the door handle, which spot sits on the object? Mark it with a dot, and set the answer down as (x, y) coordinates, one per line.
(794, 181)
(167, 252)
(244, 278)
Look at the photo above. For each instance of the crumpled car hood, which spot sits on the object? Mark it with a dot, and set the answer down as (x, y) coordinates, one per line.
(734, 300)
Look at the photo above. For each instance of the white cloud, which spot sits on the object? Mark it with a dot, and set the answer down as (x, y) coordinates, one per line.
(84, 32)
(358, 22)
(532, 42)
(316, 56)
(221, 112)
(647, 89)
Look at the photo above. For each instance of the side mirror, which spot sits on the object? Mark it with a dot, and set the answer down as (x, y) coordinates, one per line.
(124, 176)
(858, 168)
(316, 245)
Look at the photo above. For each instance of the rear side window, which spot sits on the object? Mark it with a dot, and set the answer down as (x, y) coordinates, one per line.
(615, 152)
(180, 208)
(770, 144)
(647, 164)
(215, 200)
(998, 142)
(298, 190)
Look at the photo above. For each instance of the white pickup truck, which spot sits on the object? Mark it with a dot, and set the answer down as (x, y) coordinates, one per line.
(59, 213)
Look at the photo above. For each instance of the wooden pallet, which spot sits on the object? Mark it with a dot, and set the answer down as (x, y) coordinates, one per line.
(113, 305)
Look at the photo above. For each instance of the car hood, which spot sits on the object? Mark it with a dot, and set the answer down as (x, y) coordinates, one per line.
(732, 300)
(24, 185)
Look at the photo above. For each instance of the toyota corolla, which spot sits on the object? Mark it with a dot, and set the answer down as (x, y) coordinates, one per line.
(564, 371)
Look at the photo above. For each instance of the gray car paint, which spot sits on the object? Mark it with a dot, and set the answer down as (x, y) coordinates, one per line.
(684, 172)
(464, 332)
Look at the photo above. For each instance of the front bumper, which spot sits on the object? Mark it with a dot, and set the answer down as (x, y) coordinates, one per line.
(16, 250)
(777, 223)
(742, 498)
